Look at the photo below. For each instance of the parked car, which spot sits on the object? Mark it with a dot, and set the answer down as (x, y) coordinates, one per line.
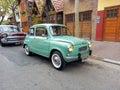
(9, 34)
(55, 41)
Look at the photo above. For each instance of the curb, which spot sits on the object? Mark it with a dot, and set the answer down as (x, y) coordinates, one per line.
(105, 60)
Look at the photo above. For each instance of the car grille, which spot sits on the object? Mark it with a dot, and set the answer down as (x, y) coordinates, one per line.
(82, 48)
(12, 39)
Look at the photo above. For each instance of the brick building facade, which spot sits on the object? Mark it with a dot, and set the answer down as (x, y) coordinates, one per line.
(40, 11)
(87, 17)
(108, 15)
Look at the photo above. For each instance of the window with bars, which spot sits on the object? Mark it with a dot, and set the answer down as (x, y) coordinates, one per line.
(85, 16)
(112, 13)
(60, 18)
(70, 18)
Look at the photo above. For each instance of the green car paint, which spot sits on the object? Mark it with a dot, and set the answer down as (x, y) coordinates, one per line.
(47, 42)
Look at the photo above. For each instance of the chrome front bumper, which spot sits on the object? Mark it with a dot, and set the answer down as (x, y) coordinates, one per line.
(5, 41)
(78, 57)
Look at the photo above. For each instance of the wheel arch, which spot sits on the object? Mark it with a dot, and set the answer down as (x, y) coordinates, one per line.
(24, 45)
(53, 50)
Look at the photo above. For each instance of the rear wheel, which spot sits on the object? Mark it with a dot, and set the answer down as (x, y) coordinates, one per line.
(57, 60)
(27, 52)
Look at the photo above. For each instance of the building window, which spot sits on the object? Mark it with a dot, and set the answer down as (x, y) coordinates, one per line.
(52, 18)
(70, 18)
(85, 16)
(112, 13)
(60, 18)
(80, 16)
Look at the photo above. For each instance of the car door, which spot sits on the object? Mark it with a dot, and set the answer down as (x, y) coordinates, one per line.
(30, 39)
(42, 41)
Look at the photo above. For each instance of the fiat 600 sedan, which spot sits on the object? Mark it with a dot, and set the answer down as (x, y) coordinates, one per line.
(55, 41)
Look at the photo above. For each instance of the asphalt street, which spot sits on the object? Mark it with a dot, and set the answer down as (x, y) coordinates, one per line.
(21, 72)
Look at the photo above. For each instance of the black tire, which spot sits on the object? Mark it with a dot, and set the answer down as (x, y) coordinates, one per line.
(26, 49)
(57, 60)
(2, 44)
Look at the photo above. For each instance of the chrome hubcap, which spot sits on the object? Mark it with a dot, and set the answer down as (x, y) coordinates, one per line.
(56, 60)
(26, 50)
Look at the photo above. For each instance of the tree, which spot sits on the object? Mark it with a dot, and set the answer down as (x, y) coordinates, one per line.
(2, 15)
(9, 6)
(12, 5)
(3, 10)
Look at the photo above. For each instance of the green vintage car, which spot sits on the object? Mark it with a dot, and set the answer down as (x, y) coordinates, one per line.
(55, 41)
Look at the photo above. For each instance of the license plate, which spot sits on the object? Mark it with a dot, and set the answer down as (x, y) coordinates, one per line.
(84, 56)
(82, 48)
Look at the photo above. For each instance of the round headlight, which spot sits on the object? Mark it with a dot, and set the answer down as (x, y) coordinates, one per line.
(89, 44)
(4, 35)
(70, 48)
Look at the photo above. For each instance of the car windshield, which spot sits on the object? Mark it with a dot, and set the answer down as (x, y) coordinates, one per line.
(10, 29)
(59, 30)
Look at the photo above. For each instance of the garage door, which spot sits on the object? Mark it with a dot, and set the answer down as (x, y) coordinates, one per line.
(85, 24)
(111, 30)
(70, 22)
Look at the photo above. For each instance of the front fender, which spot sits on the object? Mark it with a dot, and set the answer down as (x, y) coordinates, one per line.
(59, 46)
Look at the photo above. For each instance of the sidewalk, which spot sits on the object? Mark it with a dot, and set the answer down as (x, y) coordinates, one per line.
(106, 51)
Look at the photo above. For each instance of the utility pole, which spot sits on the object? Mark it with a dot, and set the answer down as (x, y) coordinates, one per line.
(77, 18)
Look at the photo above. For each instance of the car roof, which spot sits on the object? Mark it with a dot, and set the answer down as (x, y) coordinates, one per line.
(47, 24)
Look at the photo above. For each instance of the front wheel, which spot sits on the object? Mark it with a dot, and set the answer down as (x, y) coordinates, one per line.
(57, 60)
(2, 44)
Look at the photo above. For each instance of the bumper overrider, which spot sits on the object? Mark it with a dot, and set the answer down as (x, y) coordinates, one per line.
(79, 56)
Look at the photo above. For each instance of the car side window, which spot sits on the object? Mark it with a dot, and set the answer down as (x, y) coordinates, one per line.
(41, 31)
(31, 32)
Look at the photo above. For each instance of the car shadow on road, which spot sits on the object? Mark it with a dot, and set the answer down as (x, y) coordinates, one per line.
(69, 66)
(11, 45)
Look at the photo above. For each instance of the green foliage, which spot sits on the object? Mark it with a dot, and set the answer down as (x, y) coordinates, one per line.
(7, 6)
(5, 22)
(35, 20)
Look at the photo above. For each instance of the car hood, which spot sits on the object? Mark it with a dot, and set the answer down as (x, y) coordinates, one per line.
(15, 33)
(70, 39)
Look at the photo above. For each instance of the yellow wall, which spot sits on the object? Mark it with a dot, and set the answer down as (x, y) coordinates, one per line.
(107, 3)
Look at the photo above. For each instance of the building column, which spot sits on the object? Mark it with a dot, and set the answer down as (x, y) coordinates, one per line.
(77, 18)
